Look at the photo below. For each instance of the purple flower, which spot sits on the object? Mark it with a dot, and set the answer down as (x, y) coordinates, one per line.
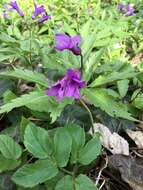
(69, 86)
(5, 16)
(5, 6)
(64, 41)
(44, 18)
(42, 12)
(15, 6)
(38, 10)
(120, 7)
(129, 10)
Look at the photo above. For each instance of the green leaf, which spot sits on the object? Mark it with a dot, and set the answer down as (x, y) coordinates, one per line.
(38, 101)
(23, 124)
(90, 151)
(37, 187)
(8, 164)
(31, 175)
(8, 96)
(78, 140)
(123, 87)
(7, 38)
(88, 44)
(23, 100)
(135, 94)
(51, 184)
(50, 105)
(5, 85)
(101, 98)
(62, 144)
(5, 57)
(92, 63)
(84, 31)
(27, 75)
(112, 77)
(84, 183)
(66, 183)
(37, 141)
(9, 148)
(138, 101)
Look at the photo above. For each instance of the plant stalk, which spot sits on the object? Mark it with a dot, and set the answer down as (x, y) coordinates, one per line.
(81, 64)
(90, 115)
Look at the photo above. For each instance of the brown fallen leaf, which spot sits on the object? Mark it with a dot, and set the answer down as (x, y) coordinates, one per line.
(112, 141)
(131, 170)
(136, 136)
(137, 59)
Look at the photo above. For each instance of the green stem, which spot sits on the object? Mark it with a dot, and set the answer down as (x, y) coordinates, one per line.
(66, 171)
(75, 169)
(30, 46)
(81, 64)
(30, 56)
(90, 115)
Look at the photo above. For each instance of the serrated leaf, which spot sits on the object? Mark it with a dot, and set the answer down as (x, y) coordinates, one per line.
(31, 175)
(138, 101)
(37, 141)
(66, 183)
(123, 87)
(9, 148)
(7, 38)
(90, 151)
(93, 63)
(84, 183)
(62, 149)
(112, 77)
(8, 164)
(6, 57)
(135, 94)
(37, 101)
(78, 140)
(84, 31)
(100, 98)
(23, 100)
(50, 105)
(8, 96)
(28, 75)
(88, 44)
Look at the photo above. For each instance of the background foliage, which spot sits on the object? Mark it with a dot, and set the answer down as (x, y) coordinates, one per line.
(34, 126)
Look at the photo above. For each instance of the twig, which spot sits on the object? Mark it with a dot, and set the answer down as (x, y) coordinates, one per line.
(34, 119)
(105, 166)
(136, 148)
(115, 179)
(28, 161)
(102, 184)
(139, 155)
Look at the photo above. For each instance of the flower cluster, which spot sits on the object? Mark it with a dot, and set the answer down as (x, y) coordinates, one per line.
(69, 86)
(39, 11)
(127, 9)
(42, 12)
(71, 83)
